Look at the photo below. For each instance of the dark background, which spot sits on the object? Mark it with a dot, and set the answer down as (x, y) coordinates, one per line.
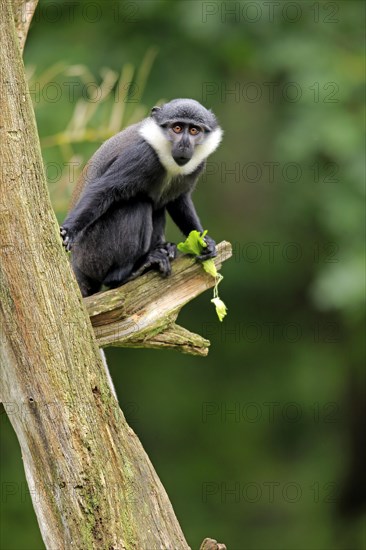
(260, 444)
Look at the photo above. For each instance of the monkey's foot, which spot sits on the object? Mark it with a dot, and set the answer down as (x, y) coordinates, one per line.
(170, 249)
(156, 259)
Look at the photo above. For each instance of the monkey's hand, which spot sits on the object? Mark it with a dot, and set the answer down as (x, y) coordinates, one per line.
(170, 249)
(68, 237)
(210, 250)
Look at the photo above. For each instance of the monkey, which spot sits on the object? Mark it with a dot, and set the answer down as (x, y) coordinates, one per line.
(116, 228)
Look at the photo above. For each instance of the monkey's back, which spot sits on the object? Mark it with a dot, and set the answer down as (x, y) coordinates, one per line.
(103, 157)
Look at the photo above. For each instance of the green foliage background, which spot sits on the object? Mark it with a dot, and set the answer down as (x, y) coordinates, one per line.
(260, 444)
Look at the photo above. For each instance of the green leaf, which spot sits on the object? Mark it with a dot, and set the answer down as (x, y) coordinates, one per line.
(194, 243)
(209, 266)
(221, 308)
(201, 239)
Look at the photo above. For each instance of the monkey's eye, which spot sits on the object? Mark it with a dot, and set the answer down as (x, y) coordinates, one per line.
(177, 129)
(194, 131)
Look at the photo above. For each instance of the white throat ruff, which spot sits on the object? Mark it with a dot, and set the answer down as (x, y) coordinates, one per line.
(154, 135)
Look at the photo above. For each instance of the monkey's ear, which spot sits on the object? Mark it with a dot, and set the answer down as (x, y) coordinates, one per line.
(155, 110)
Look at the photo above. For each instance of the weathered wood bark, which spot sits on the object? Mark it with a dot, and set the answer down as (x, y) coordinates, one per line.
(212, 544)
(142, 313)
(91, 482)
(23, 11)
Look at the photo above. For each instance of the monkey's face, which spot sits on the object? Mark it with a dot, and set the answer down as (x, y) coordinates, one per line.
(184, 138)
(183, 133)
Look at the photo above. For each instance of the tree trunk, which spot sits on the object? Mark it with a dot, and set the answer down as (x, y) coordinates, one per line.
(91, 482)
(23, 11)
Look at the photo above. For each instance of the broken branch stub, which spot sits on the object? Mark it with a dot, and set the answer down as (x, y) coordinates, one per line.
(142, 313)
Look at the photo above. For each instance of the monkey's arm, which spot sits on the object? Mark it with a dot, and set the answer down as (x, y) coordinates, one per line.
(95, 201)
(184, 215)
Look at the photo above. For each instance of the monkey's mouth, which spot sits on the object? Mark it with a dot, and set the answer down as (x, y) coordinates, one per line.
(181, 161)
